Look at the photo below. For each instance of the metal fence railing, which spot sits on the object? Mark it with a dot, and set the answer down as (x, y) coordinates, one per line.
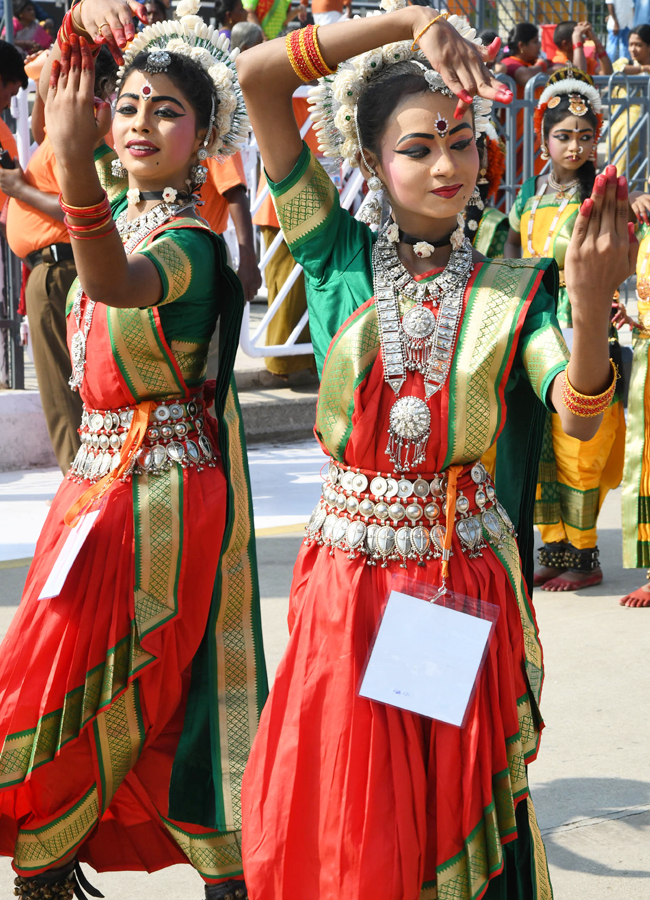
(625, 141)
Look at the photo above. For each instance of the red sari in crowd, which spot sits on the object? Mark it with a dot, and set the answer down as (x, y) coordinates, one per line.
(128, 701)
(345, 798)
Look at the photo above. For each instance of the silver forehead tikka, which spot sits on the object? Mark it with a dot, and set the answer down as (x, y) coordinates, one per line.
(158, 61)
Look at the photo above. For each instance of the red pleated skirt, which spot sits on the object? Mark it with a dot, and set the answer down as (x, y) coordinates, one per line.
(348, 799)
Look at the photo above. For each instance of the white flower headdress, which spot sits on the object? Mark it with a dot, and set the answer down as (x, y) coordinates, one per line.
(334, 100)
(189, 36)
(569, 80)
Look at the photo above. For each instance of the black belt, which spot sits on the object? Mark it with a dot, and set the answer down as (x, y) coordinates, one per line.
(51, 254)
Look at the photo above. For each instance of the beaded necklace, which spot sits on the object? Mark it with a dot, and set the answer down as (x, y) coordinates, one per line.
(531, 221)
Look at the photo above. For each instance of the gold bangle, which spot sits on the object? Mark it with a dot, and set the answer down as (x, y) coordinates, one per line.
(442, 15)
(584, 405)
(326, 69)
(74, 21)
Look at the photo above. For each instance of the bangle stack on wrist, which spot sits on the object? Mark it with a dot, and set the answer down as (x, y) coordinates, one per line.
(305, 56)
(99, 216)
(584, 406)
(71, 26)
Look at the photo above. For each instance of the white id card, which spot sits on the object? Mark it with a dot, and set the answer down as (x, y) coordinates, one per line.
(69, 552)
(426, 656)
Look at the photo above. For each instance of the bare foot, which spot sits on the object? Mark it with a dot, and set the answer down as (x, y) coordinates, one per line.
(572, 580)
(638, 598)
(545, 573)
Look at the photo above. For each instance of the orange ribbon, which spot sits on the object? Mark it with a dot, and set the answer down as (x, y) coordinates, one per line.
(132, 444)
(452, 479)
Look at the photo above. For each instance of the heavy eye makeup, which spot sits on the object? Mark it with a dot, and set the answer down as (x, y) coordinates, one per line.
(165, 111)
(420, 150)
(564, 136)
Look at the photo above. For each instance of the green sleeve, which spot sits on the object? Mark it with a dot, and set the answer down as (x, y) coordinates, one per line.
(542, 349)
(250, 5)
(114, 186)
(334, 249)
(185, 260)
(527, 191)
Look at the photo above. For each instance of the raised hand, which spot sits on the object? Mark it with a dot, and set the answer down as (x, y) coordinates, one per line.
(110, 22)
(76, 120)
(602, 252)
(462, 65)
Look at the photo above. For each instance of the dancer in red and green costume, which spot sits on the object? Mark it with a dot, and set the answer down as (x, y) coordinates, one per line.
(424, 347)
(129, 697)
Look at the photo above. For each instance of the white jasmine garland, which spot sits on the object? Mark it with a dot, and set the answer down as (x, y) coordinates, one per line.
(187, 8)
(132, 196)
(334, 99)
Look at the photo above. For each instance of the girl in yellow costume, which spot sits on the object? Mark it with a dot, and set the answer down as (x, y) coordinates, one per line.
(636, 477)
(574, 477)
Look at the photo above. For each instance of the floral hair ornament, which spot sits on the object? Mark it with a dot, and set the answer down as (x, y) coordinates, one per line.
(582, 93)
(189, 36)
(334, 100)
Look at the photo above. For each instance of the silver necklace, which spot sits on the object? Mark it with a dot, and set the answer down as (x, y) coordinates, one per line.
(134, 231)
(80, 339)
(419, 341)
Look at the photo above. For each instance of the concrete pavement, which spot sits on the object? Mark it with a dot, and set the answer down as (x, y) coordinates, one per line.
(591, 783)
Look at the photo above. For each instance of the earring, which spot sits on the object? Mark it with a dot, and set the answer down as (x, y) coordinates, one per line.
(117, 169)
(374, 182)
(198, 174)
(370, 212)
(458, 236)
(545, 154)
(475, 199)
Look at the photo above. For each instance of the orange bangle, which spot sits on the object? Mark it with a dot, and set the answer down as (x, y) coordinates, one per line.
(586, 406)
(442, 15)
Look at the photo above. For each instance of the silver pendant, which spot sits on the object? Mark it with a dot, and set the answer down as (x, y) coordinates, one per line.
(471, 535)
(409, 429)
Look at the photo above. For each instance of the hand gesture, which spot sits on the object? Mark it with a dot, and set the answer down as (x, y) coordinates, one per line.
(76, 120)
(462, 64)
(110, 22)
(602, 252)
(640, 204)
(621, 318)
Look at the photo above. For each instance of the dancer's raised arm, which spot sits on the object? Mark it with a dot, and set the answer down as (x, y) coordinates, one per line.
(268, 79)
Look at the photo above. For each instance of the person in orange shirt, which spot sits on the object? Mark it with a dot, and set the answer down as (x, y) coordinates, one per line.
(569, 38)
(326, 12)
(12, 79)
(37, 235)
(224, 193)
(278, 269)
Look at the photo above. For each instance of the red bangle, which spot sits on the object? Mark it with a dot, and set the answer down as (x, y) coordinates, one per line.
(602, 53)
(85, 212)
(93, 237)
(578, 46)
(93, 226)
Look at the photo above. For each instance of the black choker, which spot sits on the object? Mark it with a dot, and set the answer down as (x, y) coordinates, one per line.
(154, 195)
(409, 239)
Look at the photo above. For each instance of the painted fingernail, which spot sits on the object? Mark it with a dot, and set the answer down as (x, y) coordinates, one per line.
(587, 206)
(464, 96)
(599, 184)
(459, 112)
(630, 232)
(503, 95)
(621, 188)
(74, 39)
(610, 173)
(495, 46)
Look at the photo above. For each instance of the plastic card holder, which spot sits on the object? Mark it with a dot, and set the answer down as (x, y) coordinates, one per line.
(429, 650)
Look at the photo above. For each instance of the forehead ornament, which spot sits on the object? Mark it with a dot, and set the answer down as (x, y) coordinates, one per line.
(441, 125)
(146, 91)
(158, 61)
(577, 105)
(553, 102)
